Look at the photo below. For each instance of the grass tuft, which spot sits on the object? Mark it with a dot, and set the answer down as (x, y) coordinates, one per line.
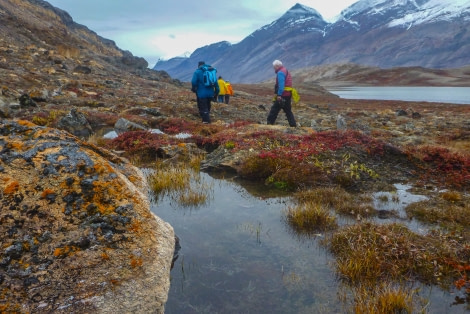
(338, 199)
(451, 209)
(385, 298)
(373, 253)
(308, 218)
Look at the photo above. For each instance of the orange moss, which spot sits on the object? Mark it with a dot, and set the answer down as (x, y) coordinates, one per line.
(11, 188)
(133, 179)
(26, 123)
(16, 145)
(111, 190)
(115, 282)
(26, 246)
(41, 132)
(136, 261)
(102, 168)
(136, 227)
(66, 250)
(46, 192)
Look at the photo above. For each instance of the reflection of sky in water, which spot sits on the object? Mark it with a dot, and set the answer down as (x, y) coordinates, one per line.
(238, 256)
(397, 202)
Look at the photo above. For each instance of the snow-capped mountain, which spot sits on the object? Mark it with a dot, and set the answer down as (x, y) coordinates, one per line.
(406, 13)
(384, 33)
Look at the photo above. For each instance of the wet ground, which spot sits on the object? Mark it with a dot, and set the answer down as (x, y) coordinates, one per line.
(238, 256)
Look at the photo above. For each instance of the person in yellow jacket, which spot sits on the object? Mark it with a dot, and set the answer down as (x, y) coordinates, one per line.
(228, 91)
(222, 90)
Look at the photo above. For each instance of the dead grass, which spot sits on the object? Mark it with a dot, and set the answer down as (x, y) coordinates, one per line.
(169, 179)
(308, 218)
(370, 253)
(385, 298)
(450, 209)
(181, 182)
(339, 200)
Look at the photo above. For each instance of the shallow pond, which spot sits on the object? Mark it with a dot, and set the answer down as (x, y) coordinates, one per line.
(238, 256)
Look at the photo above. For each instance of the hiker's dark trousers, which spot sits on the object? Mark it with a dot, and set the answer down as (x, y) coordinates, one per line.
(284, 104)
(204, 106)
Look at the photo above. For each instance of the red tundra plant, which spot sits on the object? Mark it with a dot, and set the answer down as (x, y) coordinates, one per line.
(443, 165)
(177, 125)
(295, 159)
(142, 143)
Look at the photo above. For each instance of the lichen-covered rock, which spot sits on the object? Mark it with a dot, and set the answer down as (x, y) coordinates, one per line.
(76, 231)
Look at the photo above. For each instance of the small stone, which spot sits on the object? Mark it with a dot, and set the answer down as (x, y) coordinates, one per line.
(416, 115)
(401, 113)
(26, 101)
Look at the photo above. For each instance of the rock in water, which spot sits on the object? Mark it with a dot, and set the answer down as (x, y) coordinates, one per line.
(77, 233)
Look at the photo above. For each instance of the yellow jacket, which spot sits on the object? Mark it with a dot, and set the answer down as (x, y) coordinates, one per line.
(222, 88)
(229, 89)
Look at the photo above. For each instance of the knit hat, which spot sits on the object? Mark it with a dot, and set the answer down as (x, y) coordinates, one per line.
(201, 63)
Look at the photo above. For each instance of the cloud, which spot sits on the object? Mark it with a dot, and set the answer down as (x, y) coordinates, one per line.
(164, 29)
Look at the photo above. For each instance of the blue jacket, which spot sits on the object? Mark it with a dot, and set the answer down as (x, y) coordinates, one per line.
(202, 90)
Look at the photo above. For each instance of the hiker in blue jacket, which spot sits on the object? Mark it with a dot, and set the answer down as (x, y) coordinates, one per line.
(205, 94)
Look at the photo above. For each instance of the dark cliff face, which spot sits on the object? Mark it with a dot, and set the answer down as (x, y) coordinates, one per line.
(370, 32)
(36, 22)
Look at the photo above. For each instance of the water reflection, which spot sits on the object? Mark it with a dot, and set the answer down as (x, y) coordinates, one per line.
(238, 256)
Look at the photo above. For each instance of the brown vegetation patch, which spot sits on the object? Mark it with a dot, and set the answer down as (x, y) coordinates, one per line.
(449, 209)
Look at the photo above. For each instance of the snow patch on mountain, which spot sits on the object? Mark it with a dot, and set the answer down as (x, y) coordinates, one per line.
(297, 15)
(435, 10)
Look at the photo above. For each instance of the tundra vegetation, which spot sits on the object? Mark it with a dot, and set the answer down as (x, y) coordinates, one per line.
(332, 173)
(329, 173)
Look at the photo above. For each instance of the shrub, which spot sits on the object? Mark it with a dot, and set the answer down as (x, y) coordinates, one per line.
(140, 143)
(443, 166)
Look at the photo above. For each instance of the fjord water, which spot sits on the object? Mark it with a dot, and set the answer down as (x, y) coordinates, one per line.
(238, 256)
(453, 95)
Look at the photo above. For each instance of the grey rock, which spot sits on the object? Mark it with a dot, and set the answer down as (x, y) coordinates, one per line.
(4, 109)
(14, 106)
(123, 125)
(26, 101)
(341, 123)
(82, 69)
(401, 113)
(152, 111)
(416, 115)
(75, 123)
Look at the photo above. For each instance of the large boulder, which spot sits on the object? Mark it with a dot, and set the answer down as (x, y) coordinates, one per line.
(76, 231)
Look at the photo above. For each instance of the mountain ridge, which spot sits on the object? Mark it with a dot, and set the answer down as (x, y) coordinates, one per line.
(370, 32)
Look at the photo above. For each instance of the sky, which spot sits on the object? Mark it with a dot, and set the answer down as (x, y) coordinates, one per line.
(163, 29)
